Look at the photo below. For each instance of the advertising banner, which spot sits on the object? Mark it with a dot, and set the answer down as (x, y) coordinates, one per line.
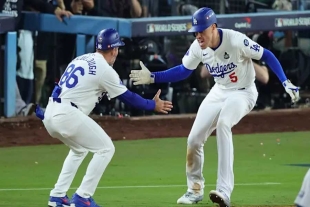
(162, 28)
(169, 26)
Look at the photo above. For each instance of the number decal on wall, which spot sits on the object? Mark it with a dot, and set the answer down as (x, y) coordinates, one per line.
(70, 76)
(233, 77)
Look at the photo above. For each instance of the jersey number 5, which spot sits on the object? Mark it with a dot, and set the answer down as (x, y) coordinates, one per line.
(70, 76)
(233, 77)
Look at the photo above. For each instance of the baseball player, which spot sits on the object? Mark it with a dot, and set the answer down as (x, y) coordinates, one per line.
(85, 81)
(227, 55)
(303, 197)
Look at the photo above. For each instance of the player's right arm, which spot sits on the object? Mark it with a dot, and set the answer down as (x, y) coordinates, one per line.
(180, 72)
(115, 88)
(134, 100)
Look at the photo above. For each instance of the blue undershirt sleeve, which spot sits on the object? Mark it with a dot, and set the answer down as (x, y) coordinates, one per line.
(134, 100)
(273, 63)
(174, 74)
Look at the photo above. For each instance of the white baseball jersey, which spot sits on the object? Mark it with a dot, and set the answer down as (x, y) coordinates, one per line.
(87, 79)
(231, 63)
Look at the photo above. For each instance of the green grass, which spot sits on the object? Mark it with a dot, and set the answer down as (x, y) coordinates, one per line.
(162, 162)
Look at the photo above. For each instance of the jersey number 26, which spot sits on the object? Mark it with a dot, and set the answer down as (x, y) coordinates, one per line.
(70, 77)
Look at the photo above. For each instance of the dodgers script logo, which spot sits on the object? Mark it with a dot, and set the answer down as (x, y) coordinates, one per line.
(220, 70)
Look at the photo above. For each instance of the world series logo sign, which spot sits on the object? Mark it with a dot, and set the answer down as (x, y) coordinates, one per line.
(173, 27)
(292, 22)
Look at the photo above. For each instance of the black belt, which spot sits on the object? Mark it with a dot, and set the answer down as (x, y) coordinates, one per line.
(58, 100)
(241, 89)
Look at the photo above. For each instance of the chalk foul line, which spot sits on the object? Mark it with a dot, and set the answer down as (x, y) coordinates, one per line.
(137, 186)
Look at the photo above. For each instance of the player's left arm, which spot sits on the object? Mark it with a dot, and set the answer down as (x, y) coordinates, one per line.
(261, 72)
(274, 64)
(251, 49)
(180, 72)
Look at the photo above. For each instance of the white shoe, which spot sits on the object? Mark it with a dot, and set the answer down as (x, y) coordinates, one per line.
(190, 198)
(220, 198)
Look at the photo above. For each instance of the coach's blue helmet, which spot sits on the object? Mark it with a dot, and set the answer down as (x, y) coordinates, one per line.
(202, 19)
(108, 39)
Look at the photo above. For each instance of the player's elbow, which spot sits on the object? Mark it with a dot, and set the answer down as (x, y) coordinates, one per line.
(262, 74)
(264, 79)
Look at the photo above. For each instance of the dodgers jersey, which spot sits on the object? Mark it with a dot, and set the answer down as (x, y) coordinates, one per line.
(87, 79)
(231, 63)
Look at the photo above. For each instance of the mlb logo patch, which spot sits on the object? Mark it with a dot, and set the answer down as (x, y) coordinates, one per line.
(150, 28)
(278, 22)
(187, 53)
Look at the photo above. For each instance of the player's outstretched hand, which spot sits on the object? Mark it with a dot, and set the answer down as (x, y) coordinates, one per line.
(142, 76)
(161, 105)
(292, 90)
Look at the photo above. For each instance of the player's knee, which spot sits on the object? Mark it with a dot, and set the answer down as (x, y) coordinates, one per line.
(107, 151)
(78, 153)
(223, 124)
(194, 142)
(112, 149)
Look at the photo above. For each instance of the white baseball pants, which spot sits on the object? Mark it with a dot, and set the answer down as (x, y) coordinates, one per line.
(220, 110)
(303, 197)
(82, 135)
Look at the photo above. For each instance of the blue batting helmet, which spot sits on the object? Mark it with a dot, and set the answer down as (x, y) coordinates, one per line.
(202, 19)
(108, 39)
